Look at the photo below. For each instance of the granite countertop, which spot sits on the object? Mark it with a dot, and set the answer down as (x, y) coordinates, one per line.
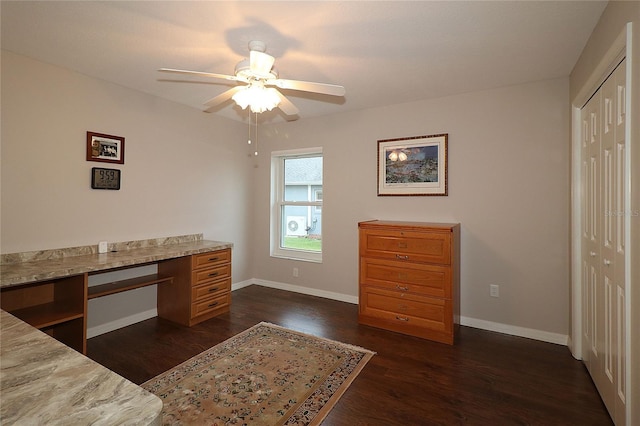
(43, 381)
(37, 268)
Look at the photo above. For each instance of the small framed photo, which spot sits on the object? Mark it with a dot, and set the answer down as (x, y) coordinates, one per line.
(105, 148)
(105, 178)
(413, 166)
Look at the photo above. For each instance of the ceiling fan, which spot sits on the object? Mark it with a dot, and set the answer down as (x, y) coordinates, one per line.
(257, 77)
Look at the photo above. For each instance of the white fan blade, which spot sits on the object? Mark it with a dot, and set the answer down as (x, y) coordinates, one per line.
(223, 97)
(202, 74)
(286, 106)
(260, 63)
(307, 86)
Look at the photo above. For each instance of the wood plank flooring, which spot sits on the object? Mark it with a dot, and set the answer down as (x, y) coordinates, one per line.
(485, 379)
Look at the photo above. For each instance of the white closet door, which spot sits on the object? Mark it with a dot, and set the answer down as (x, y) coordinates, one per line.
(591, 234)
(603, 251)
(618, 255)
(607, 284)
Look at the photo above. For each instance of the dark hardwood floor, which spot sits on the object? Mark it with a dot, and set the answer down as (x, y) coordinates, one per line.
(485, 379)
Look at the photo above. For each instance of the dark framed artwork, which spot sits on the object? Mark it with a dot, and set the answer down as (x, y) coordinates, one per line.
(105, 148)
(414, 165)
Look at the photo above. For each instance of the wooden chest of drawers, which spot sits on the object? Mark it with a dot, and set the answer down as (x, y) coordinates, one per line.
(201, 288)
(409, 278)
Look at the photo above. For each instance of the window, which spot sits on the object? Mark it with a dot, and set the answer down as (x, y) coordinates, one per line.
(296, 198)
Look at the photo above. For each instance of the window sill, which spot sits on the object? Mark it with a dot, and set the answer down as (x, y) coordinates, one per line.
(297, 255)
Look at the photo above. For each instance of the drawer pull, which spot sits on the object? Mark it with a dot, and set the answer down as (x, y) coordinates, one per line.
(211, 290)
(402, 288)
(211, 259)
(213, 274)
(401, 257)
(399, 318)
(211, 305)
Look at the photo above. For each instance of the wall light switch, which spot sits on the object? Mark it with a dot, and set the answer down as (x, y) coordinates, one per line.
(102, 247)
(494, 290)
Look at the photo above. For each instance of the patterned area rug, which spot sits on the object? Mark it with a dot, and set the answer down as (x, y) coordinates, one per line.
(266, 375)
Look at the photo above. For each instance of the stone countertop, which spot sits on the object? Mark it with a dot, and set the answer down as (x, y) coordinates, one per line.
(12, 274)
(42, 381)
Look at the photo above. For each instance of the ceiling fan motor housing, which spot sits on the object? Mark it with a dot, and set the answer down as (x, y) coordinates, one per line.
(258, 46)
(243, 70)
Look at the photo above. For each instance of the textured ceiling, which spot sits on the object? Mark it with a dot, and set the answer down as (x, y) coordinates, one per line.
(382, 52)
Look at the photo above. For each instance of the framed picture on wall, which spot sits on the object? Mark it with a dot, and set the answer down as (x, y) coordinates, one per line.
(105, 148)
(414, 165)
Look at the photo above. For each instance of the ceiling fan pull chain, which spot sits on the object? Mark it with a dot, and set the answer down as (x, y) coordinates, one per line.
(249, 140)
(256, 120)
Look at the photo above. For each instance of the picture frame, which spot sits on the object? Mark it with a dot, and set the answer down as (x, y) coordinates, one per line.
(105, 148)
(413, 166)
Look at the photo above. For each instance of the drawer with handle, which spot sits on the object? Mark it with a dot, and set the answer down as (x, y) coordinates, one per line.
(211, 258)
(207, 306)
(424, 312)
(430, 280)
(407, 246)
(213, 289)
(202, 276)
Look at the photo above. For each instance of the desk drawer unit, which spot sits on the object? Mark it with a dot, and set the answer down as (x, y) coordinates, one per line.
(409, 278)
(201, 289)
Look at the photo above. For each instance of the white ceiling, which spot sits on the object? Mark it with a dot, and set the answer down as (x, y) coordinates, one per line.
(384, 53)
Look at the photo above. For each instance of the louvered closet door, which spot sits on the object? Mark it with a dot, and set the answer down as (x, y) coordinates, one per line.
(603, 281)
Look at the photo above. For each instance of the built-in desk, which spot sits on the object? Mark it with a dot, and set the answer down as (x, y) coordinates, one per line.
(47, 383)
(49, 289)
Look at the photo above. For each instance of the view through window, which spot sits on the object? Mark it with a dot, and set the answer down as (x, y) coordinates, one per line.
(298, 199)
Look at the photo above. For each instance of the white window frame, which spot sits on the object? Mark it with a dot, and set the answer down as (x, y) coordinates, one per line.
(278, 203)
(318, 209)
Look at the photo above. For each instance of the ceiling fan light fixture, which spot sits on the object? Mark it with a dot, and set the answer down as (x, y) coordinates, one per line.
(258, 98)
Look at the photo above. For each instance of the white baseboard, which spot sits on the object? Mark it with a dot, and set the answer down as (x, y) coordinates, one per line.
(120, 322)
(306, 290)
(241, 284)
(530, 333)
(512, 330)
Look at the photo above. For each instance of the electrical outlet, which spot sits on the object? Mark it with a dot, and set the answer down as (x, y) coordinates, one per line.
(102, 247)
(494, 290)
(295, 272)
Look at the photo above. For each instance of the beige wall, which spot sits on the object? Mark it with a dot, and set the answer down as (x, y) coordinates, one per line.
(508, 175)
(611, 24)
(508, 187)
(185, 172)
